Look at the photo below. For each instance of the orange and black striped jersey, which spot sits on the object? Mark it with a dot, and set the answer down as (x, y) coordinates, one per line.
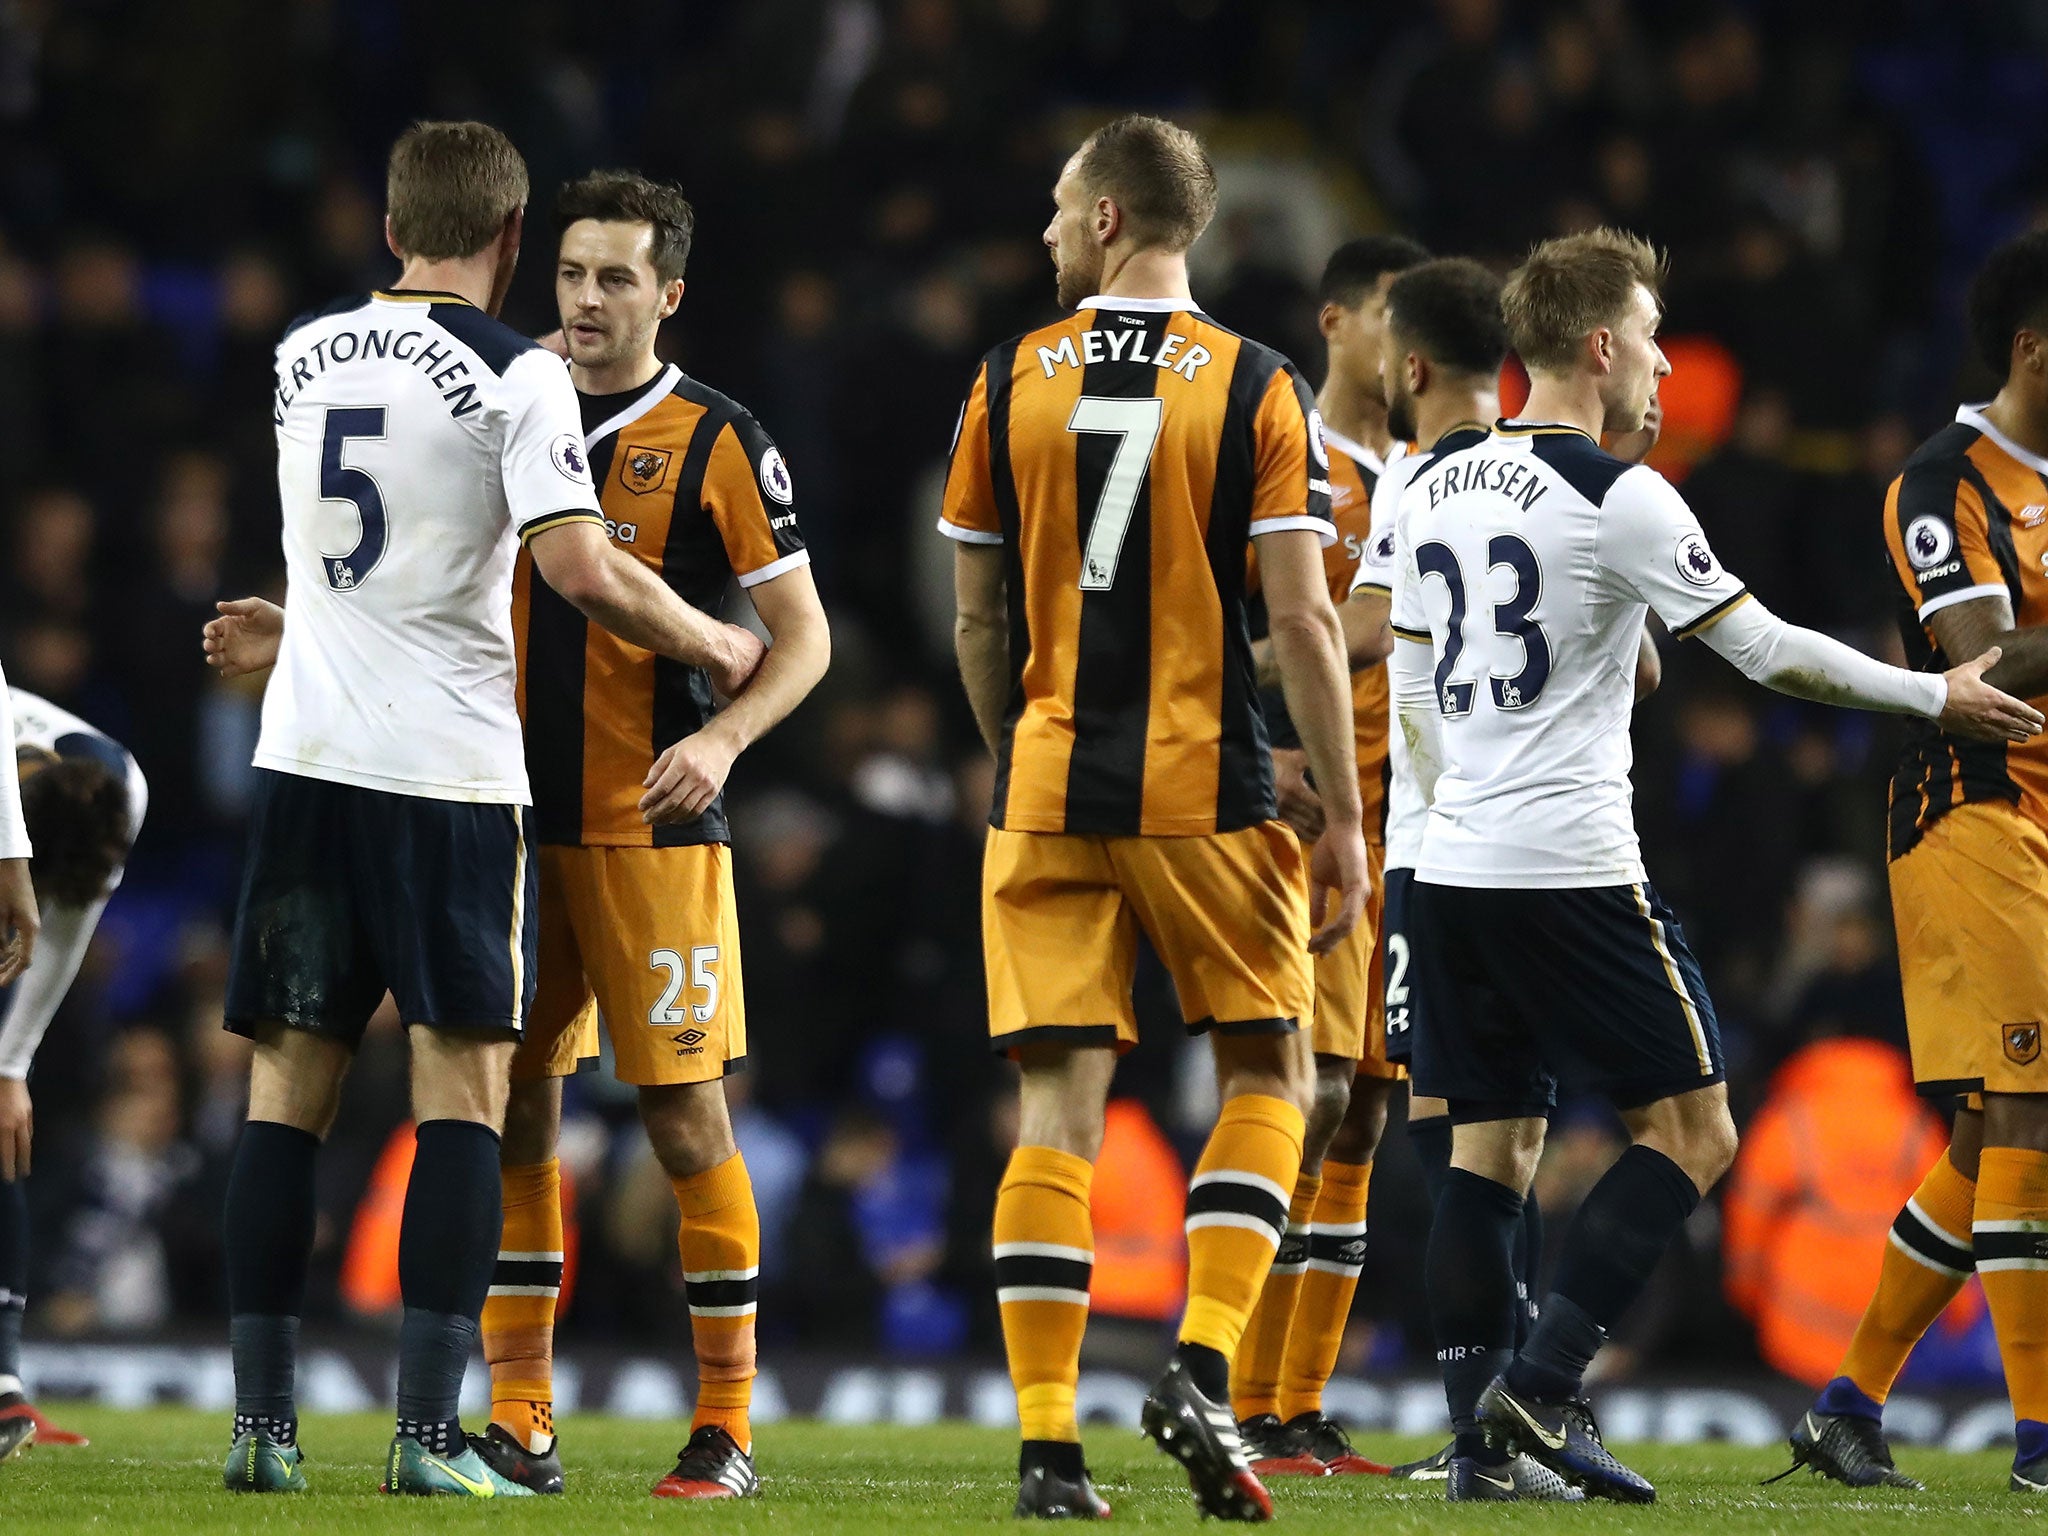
(694, 489)
(1354, 475)
(1123, 458)
(1966, 519)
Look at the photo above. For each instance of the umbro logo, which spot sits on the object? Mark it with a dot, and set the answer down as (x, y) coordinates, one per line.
(690, 1042)
(1353, 1251)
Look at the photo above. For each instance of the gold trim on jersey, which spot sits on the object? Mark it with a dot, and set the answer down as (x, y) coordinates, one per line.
(1712, 616)
(1418, 636)
(557, 520)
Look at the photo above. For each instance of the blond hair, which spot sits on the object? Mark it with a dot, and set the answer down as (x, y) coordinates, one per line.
(1157, 173)
(1572, 286)
(450, 187)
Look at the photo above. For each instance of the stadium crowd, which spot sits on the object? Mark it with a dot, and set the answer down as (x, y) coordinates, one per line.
(870, 177)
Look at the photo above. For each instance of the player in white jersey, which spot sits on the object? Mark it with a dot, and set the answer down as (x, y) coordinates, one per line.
(18, 919)
(420, 442)
(82, 800)
(1541, 953)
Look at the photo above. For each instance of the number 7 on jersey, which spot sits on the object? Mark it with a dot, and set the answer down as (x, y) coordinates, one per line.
(1135, 426)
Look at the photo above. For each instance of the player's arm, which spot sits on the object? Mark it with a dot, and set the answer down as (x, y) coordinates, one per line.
(688, 776)
(25, 1016)
(1411, 678)
(1655, 549)
(19, 922)
(1973, 627)
(1290, 523)
(1308, 645)
(612, 589)
(981, 635)
(969, 517)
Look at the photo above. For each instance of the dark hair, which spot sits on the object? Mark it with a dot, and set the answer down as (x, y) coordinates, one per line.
(627, 197)
(1572, 286)
(77, 813)
(1357, 265)
(2010, 291)
(450, 187)
(1449, 311)
(1157, 173)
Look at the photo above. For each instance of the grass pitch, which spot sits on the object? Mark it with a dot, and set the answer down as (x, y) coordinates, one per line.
(160, 1471)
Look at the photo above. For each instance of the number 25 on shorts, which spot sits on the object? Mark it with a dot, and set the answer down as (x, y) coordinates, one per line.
(699, 975)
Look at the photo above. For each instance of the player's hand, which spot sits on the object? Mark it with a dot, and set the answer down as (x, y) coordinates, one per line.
(20, 922)
(1634, 447)
(244, 639)
(555, 341)
(1975, 708)
(1300, 806)
(1337, 864)
(17, 1128)
(687, 777)
(734, 669)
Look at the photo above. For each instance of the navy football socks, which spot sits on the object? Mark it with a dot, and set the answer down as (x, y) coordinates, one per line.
(268, 1235)
(1469, 1272)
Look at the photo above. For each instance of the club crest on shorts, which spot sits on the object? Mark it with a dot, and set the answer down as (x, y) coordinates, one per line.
(645, 469)
(2022, 1043)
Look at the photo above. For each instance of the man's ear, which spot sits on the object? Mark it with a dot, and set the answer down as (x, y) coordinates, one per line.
(1600, 346)
(1328, 318)
(2029, 351)
(1418, 373)
(391, 241)
(1109, 221)
(671, 298)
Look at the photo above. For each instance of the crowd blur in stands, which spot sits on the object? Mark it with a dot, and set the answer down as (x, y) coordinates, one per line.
(870, 177)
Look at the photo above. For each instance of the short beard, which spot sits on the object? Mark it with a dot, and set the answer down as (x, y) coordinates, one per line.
(1077, 282)
(1401, 415)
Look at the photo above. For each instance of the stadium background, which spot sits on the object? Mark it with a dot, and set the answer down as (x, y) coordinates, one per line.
(176, 180)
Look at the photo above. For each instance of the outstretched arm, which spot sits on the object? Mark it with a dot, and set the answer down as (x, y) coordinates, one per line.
(1809, 665)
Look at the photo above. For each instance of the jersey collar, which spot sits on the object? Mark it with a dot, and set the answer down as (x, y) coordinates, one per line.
(1358, 451)
(1513, 426)
(420, 296)
(1140, 306)
(657, 390)
(1973, 416)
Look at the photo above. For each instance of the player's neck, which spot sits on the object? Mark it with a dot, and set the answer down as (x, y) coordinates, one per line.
(2009, 413)
(469, 277)
(1456, 408)
(1570, 400)
(1350, 412)
(1146, 274)
(616, 378)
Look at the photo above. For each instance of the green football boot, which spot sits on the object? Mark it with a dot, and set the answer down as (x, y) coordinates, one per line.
(258, 1464)
(410, 1467)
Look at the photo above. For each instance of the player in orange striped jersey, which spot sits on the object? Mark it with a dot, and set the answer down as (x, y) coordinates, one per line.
(1108, 473)
(1290, 1346)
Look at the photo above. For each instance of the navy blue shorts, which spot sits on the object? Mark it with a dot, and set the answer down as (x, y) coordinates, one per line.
(1593, 989)
(348, 893)
(1397, 966)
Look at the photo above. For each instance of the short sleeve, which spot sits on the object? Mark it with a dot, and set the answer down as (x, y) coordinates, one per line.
(1290, 461)
(1938, 532)
(752, 501)
(545, 469)
(1654, 550)
(1375, 572)
(968, 512)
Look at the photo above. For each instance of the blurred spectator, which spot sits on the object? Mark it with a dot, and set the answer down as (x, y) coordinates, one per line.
(1840, 1143)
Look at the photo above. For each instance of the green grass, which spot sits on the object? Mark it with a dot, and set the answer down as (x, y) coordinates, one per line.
(160, 1471)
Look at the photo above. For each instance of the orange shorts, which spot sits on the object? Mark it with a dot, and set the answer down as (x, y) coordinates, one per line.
(1351, 1016)
(646, 938)
(1228, 914)
(1970, 902)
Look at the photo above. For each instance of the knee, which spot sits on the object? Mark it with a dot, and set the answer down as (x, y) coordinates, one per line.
(1708, 1147)
(688, 1127)
(533, 1123)
(1330, 1100)
(1365, 1123)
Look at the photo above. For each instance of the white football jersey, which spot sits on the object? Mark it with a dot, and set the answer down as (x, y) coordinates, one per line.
(419, 441)
(1405, 808)
(1527, 558)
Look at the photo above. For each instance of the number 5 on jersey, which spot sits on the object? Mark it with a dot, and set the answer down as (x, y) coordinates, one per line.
(1135, 426)
(698, 975)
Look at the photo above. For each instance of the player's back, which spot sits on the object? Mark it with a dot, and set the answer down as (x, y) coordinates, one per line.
(1124, 457)
(418, 441)
(1966, 519)
(1527, 564)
